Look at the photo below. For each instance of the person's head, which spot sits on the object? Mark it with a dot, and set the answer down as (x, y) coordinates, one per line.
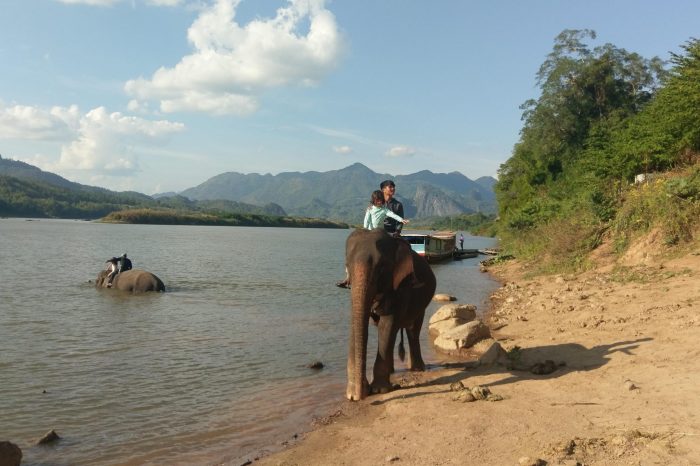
(388, 188)
(377, 198)
(124, 255)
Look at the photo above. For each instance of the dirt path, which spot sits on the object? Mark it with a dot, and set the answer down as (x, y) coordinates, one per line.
(624, 343)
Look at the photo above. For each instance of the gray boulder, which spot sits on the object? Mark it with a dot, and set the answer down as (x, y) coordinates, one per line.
(462, 337)
(450, 316)
(466, 312)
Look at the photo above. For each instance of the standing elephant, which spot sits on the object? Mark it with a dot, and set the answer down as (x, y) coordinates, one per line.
(134, 280)
(380, 269)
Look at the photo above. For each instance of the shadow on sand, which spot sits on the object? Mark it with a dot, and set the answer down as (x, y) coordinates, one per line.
(574, 357)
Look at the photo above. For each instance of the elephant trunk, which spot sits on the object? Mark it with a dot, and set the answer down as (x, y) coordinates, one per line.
(358, 387)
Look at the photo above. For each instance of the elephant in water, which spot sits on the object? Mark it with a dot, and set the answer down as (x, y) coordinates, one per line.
(134, 280)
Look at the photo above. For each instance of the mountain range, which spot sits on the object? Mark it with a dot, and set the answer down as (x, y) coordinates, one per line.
(343, 194)
(338, 195)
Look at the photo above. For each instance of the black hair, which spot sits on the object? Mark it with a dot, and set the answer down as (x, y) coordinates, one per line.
(386, 183)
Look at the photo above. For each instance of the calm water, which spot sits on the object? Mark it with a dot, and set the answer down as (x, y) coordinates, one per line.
(210, 372)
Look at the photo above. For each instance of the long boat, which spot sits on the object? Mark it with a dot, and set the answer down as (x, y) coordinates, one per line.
(435, 247)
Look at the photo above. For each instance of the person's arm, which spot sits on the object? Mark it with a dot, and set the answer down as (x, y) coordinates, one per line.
(367, 223)
(398, 218)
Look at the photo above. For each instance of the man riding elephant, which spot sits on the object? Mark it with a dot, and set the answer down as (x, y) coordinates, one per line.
(117, 265)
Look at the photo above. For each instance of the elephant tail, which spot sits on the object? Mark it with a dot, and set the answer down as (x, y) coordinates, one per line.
(402, 351)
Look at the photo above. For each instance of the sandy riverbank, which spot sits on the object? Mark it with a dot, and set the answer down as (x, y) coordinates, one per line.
(628, 394)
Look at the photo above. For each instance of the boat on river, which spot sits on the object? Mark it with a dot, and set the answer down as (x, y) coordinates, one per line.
(435, 247)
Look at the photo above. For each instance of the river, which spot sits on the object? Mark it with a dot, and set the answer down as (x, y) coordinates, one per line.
(211, 372)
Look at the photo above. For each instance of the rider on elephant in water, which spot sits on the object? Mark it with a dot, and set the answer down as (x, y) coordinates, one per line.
(117, 265)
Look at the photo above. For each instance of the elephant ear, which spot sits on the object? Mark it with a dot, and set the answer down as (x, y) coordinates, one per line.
(403, 264)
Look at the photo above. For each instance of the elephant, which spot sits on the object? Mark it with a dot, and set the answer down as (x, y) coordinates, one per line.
(134, 280)
(393, 285)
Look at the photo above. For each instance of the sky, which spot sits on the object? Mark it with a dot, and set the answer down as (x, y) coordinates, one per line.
(160, 95)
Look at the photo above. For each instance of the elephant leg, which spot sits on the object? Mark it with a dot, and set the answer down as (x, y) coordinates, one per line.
(415, 361)
(384, 364)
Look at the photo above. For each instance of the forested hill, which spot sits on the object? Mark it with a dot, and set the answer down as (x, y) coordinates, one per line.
(604, 115)
(343, 194)
(27, 172)
(27, 191)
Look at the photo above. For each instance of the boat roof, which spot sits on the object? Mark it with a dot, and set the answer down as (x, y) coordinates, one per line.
(434, 234)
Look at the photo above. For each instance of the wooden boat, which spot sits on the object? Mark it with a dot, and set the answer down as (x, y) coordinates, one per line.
(435, 246)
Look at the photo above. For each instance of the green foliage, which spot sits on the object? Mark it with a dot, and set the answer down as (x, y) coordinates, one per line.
(564, 150)
(671, 203)
(603, 116)
(476, 224)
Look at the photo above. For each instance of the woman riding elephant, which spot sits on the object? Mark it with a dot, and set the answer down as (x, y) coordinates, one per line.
(381, 270)
(134, 280)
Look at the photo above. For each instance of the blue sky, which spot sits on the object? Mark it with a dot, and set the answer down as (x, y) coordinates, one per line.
(160, 95)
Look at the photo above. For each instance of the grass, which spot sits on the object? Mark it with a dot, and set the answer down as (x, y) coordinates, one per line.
(670, 203)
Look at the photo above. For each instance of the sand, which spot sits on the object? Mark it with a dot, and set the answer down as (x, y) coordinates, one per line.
(623, 343)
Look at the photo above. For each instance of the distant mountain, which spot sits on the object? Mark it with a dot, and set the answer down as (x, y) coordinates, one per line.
(342, 195)
(27, 191)
(27, 172)
(337, 195)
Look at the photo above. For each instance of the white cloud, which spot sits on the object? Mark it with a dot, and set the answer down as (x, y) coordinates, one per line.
(108, 142)
(165, 2)
(98, 142)
(401, 151)
(25, 122)
(342, 149)
(232, 64)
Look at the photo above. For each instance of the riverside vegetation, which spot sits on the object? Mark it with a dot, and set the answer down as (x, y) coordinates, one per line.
(604, 116)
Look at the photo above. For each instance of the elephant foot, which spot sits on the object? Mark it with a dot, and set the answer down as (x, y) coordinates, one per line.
(352, 394)
(418, 366)
(381, 387)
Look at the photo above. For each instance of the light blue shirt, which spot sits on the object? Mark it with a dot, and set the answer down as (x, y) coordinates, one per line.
(374, 217)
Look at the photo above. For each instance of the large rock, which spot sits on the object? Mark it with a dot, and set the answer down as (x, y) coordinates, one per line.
(465, 312)
(450, 316)
(10, 454)
(462, 337)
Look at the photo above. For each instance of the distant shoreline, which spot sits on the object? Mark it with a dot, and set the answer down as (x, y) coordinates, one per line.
(172, 217)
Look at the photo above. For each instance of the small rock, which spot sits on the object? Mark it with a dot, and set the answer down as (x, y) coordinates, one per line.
(315, 365)
(391, 459)
(50, 437)
(10, 454)
(457, 386)
(629, 385)
(465, 396)
(443, 297)
(480, 393)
